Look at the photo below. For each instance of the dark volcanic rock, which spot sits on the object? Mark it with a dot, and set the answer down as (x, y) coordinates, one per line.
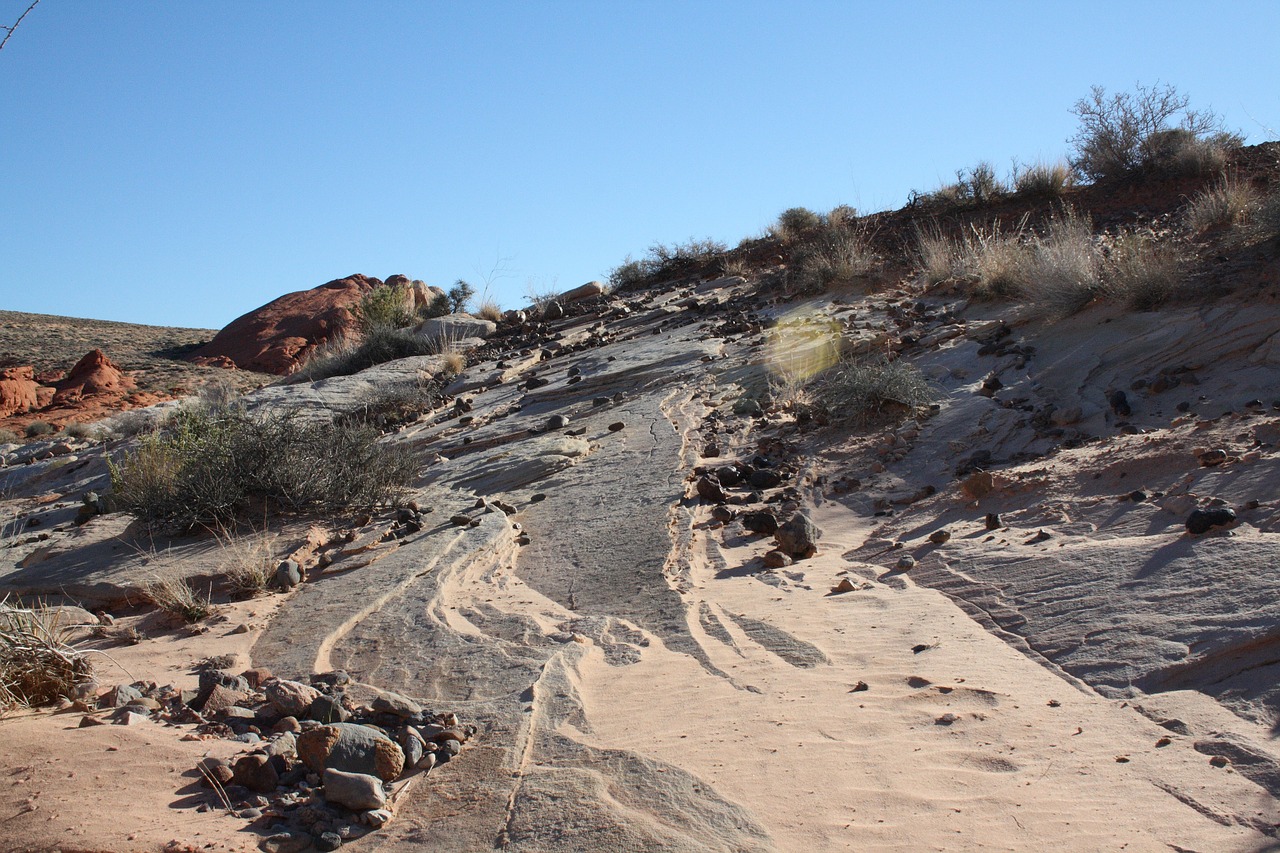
(1206, 518)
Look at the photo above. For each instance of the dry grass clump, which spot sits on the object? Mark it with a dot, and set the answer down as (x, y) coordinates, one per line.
(248, 562)
(992, 260)
(79, 430)
(8, 436)
(179, 598)
(1043, 180)
(1063, 265)
(489, 310)
(1226, 202)
(388, 408)
(38, 664)
(206, 469)
(1056, 272)
(871, 391)
(1142, 273)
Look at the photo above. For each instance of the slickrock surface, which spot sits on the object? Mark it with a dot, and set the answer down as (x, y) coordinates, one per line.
(1060, 663)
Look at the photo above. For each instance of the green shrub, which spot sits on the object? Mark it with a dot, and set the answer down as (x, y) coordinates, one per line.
(385, 307)
(871, 391)
(347, 355)
(35, 429)
(795, 222)
(1133, 132)
(437, 307)
(459, 295)
(206, 469)
(629, 273)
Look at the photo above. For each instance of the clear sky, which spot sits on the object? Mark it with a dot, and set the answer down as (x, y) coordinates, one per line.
(183, 162)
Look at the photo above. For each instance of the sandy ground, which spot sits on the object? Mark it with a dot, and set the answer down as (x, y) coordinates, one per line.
(125, 788)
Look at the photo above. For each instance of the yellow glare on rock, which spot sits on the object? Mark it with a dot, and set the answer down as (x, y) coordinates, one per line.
(801, 346)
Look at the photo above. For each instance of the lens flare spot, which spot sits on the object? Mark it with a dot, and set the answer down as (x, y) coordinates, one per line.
(801, 346)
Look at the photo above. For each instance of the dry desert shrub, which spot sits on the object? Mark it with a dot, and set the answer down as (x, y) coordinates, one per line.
(1150, 130)
(38, 663)
(664, 261)
(869, 391)
(795, 223)
(36, 429)
(206, 469)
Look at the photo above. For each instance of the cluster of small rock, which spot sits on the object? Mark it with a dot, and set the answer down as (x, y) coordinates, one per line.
(320, 765)
(795, 537)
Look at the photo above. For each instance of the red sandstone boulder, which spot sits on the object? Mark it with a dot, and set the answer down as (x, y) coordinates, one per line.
(94, 375)
(278, 337)
(18, 391)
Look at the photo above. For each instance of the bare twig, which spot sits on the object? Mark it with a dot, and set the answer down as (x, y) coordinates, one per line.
(8, 31)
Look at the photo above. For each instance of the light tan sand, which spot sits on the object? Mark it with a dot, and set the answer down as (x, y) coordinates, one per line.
(830, 769)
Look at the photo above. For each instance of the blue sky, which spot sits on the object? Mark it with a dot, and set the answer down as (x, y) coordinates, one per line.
(181, 163)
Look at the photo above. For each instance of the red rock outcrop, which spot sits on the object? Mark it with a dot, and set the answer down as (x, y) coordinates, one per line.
(278, 337)
(18, 390)
(94, 375)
